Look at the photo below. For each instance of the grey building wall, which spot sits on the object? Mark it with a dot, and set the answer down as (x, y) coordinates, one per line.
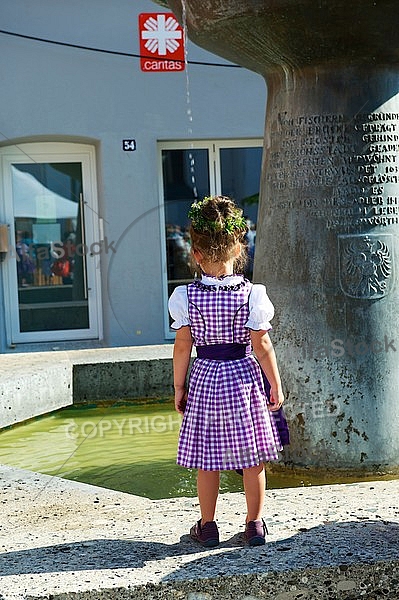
(59, 93)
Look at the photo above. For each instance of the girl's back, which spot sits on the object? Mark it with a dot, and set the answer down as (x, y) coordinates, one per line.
(219, 309)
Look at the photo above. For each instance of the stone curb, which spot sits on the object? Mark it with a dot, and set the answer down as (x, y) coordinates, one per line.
(64, 540)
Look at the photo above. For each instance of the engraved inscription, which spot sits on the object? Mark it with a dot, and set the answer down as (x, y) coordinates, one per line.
(344, 170)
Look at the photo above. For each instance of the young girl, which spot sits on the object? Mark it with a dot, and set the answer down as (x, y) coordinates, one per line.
(226, 423)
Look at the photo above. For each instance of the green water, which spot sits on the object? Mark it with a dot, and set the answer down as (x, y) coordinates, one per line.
(131, 448)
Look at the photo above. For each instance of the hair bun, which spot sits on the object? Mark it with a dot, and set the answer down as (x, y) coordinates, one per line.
(217, 214)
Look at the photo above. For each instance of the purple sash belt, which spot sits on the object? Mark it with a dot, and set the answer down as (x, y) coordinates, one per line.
(224, 351)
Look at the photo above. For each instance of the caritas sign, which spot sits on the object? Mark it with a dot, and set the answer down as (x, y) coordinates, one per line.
(161, 42)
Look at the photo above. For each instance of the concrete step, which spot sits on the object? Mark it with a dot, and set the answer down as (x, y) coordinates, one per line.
(64, 540)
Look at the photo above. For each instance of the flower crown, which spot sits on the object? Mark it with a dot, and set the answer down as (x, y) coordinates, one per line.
(201, 224)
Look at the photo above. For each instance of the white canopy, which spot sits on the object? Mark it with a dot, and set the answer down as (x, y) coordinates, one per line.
(33, 200)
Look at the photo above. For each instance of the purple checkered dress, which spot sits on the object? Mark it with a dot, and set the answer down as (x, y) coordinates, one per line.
(226, 423)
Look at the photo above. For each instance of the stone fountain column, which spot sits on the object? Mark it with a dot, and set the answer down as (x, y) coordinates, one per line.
(327, 241)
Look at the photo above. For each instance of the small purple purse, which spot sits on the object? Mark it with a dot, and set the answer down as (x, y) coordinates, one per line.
(278, 416)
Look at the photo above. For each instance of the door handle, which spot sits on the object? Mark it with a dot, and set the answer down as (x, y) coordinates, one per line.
(3, 241)
(83, 236)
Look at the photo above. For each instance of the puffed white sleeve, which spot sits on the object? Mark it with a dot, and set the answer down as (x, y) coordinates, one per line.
(178, 307)
(261, 310)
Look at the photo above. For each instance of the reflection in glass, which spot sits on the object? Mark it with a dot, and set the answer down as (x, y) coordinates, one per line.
(240, 176)
(185, 179)
(49, 244)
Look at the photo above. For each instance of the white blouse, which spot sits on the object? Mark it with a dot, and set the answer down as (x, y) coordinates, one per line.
(261, 310)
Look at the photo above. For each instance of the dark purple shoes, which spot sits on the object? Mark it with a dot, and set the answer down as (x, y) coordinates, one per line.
(207, 535)
(255, 532)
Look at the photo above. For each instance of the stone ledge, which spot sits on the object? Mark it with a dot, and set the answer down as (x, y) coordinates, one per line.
(34, 384)
(122, 373)
(62, 540)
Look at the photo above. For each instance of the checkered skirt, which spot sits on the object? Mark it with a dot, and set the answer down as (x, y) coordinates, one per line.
(226, 423)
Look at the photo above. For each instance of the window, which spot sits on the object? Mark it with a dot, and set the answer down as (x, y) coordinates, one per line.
(190, 171)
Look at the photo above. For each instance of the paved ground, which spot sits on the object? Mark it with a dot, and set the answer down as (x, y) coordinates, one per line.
(59, 539)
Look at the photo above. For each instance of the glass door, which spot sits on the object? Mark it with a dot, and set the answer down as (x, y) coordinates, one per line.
(50, 200)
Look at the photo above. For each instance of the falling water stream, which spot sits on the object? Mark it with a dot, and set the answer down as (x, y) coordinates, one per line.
(188, 101)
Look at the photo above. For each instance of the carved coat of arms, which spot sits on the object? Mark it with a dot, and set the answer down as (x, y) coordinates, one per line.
(365, 265)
